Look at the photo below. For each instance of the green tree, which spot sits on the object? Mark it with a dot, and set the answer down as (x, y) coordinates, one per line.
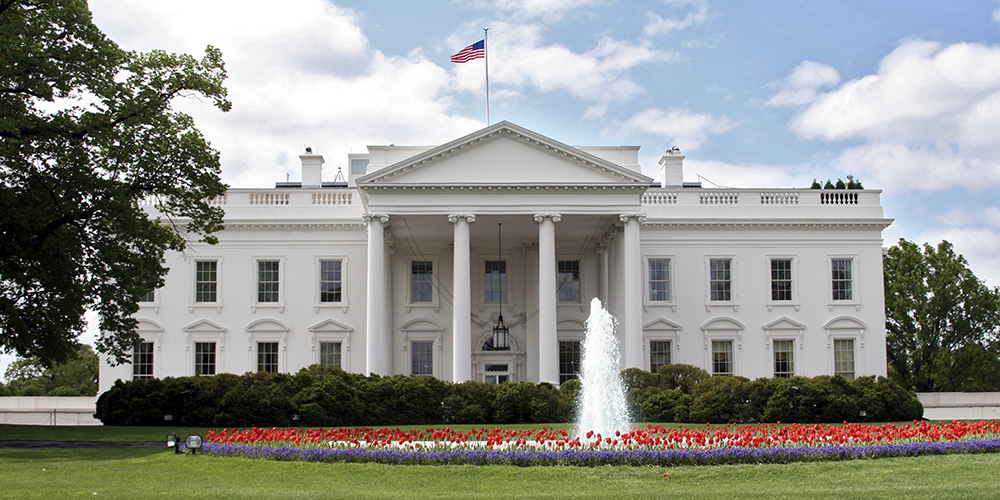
(940, 320)
(88, 141)
(76, 376)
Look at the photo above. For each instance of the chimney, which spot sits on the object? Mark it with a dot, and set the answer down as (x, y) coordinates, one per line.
(672, 168)
(312, 169)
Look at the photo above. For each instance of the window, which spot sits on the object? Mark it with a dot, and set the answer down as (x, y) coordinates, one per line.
(142, 360)
(267, 357)
(496, 281)
(149, 296)
(720, 280)
(722, 357)
(659, 354)
(781, 280)
(659, 280)
(422, 357)
(206, 284)
(331, 280)
(329, 353)
(569, 360)
(784, 360)
(843, 358)
(267, 281)
(204, 358)
(496, 374)
(568, 281)
(421, 281)
(842, 279)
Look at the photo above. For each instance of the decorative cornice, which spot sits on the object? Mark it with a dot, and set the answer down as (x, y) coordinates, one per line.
(292, 225)
(758, 223)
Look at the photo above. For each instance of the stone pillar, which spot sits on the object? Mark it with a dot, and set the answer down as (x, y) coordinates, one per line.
(603, 287)
(548, 344)
(632, 308)
(462, 289)
(531, 304)
(378, 357)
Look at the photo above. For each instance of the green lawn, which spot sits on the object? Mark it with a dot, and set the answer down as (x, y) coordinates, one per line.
(156, 473)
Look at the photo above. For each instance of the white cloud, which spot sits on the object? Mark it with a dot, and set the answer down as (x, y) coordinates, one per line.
(755, 175)
(302, 75)
(679, 126)
(600, 75)
(659, 25)
(547, 10)
(996, 15)
(927, 119)
(802, 85)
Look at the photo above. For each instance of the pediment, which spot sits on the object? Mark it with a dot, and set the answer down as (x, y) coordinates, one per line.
(421, 325)
(330, 326)
(661, 325)
(504, 154)
(844, 323)
(266, 325)
(784, 324)
(204, 326)
(723, 324)
(148, 325)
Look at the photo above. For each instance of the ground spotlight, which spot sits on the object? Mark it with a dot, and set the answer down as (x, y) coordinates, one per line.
(174, 442)
(193, 442)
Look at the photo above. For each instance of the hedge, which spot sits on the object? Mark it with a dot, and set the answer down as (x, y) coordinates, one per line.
(319, 396)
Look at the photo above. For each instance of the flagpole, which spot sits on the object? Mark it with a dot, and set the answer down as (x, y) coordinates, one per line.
(486, 55)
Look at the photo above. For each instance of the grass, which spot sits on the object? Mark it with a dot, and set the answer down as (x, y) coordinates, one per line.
(156, 473)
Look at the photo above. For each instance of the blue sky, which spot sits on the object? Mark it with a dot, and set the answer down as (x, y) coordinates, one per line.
(904, 95)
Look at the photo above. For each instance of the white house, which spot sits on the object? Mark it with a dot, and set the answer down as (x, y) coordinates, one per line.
(404, 266)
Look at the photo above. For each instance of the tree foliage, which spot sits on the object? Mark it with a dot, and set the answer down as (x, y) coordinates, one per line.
(942, 321)
(76, 376)
(88, 140)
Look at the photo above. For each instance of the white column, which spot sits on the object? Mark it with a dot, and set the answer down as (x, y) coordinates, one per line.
(602, 270)
(531, 304)
(462, 315)
(632, 310)
(377, 354)
(548, 344)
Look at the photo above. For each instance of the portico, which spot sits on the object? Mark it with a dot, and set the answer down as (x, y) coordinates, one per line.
(553, 202)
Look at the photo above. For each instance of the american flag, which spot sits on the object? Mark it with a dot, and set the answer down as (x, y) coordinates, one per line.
(474, 51)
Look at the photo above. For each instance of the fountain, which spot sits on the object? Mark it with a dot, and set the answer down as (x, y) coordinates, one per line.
(602, 407)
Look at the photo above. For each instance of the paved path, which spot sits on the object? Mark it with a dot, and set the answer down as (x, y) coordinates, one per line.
(79, 444)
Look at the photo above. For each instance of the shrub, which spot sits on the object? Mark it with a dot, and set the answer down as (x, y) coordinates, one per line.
(681, 376)
(671, 405)
(716, 400)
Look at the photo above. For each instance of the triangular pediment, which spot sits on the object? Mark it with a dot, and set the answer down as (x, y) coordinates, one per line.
(330, 326)
(504, 154)
(204, 326)
(662, 324)
(784, 324)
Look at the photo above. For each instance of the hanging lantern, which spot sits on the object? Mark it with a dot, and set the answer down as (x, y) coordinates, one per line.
(500, 331)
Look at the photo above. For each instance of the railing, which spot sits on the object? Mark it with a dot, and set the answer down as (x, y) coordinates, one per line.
(746, 198)
(838, 198)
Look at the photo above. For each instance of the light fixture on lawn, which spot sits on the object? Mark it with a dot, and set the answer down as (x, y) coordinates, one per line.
(193, 442)
(174, 442)
(500, 331)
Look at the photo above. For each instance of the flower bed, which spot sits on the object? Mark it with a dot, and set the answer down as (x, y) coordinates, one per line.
(651, 445)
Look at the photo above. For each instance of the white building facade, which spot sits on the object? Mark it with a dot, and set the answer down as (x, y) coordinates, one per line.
(404, 267)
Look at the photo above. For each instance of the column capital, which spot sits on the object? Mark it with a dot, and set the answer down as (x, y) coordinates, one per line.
(470, 218)
(383, 218)
(553, 217)
(626, 217)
